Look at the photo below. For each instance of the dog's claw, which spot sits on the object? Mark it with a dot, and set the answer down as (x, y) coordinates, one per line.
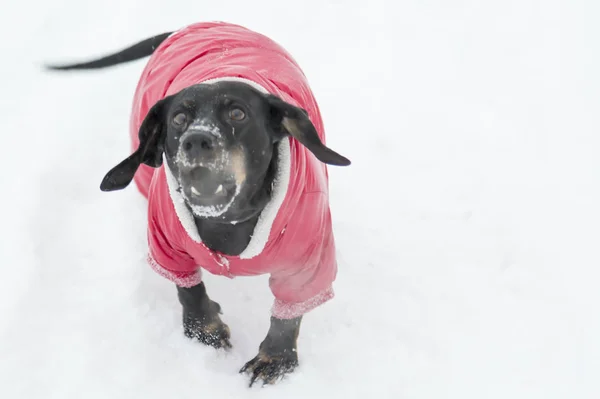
(269, 369)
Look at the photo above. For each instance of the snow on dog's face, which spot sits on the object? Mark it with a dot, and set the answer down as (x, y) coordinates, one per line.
(218, 140)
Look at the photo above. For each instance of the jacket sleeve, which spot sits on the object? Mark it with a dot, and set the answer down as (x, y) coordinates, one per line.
(305, 282)
(171, 263)
(166, 248)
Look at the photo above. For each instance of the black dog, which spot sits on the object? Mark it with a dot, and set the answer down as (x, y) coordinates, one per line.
(221, 142)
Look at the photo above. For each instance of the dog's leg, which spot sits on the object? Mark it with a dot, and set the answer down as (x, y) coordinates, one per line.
(277, 354)
(201, 319)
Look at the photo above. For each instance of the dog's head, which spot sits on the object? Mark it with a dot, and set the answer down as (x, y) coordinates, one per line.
(219, 142)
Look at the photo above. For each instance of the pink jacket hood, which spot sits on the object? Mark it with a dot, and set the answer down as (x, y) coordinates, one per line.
(293, 239)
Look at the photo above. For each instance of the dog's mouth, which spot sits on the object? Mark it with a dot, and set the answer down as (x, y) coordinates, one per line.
(203, 187)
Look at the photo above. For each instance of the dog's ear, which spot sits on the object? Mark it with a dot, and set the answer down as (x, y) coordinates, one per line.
(152, 141)
(294, 121)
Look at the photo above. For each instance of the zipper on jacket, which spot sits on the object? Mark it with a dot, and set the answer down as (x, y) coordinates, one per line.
(223, 262)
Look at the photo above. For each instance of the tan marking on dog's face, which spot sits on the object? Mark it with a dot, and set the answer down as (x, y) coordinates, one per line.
(238, 166)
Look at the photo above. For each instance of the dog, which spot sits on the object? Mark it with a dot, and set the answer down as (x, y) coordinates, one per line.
(228, 147)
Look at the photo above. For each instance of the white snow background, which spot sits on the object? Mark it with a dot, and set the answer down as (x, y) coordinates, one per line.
(467, 227)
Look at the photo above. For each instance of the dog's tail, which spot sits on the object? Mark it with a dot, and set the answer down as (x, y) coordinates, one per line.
(139, 50)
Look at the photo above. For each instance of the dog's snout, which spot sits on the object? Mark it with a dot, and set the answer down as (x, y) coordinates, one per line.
(195, 144)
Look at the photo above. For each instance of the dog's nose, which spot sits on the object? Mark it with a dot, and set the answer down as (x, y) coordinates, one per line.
(196, 144)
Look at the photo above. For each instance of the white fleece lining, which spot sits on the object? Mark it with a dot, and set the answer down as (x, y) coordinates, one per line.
(260, 236)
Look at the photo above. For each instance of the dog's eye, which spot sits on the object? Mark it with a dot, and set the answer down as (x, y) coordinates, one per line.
(179, 119)
(237, 114)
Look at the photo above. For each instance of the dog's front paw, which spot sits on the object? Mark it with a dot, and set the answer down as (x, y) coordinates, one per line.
(208, 329)
(270, 369)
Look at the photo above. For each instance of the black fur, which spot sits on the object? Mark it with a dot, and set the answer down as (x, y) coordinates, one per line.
(152, 137)
(277, 354)
(267, 120)
(139, 50)
(201, 319)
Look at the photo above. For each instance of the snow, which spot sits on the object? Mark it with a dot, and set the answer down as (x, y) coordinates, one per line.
(467, 226)
(204, 126)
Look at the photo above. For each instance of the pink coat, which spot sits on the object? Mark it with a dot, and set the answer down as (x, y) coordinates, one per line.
(293, 240)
